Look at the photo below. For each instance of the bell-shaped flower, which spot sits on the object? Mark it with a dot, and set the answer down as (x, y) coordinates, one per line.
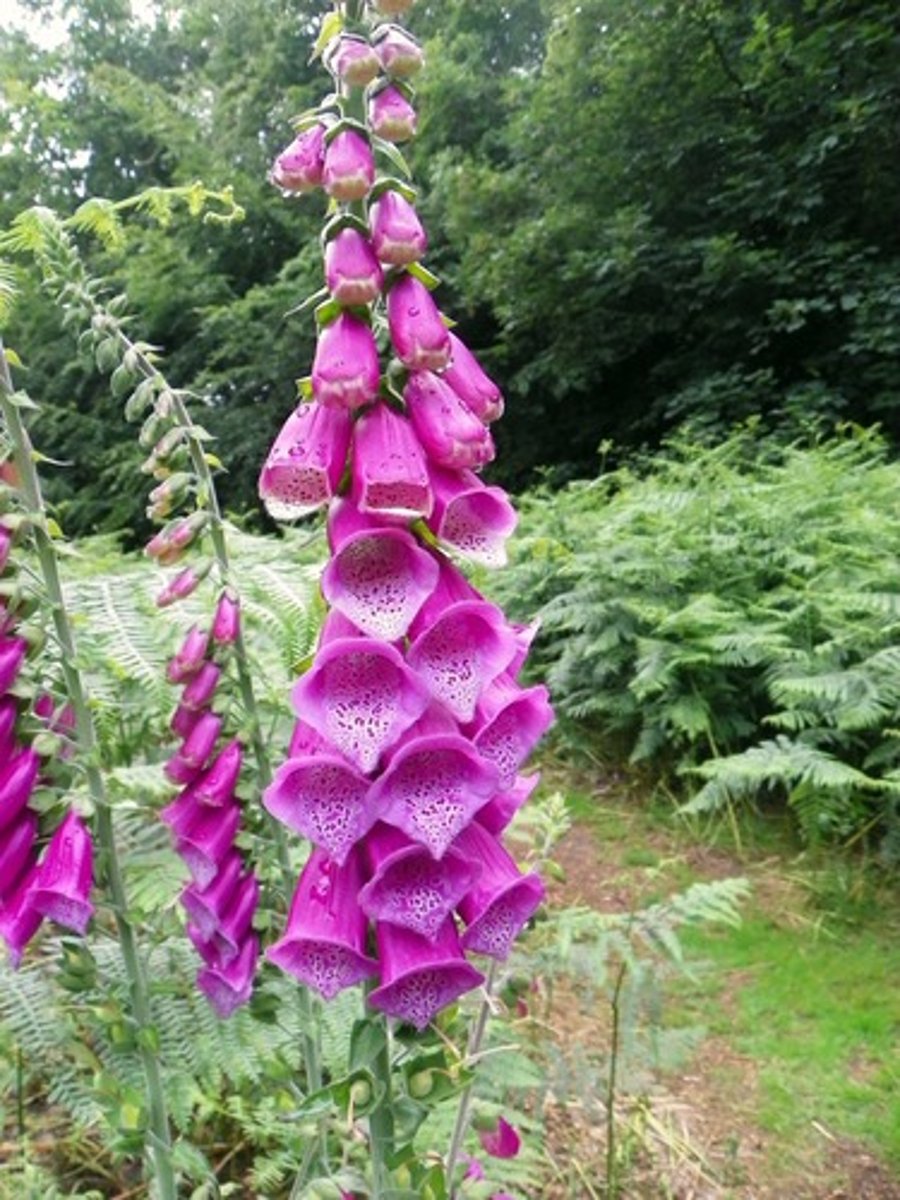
(398, 236)
(9, 713)
(202, 687)
(323, 799)
(502, 899)
(17, 852)
(305, 740)
(408, 887)
(496, 815)
(184, 584)
(346, 372)
(190, 657)
(216, 785)
(398, 52)
(335, 627)
(391, 116)
(233, 927)
(6, 541)
(184, 719)
(229, 985)
(17, 780)
(471, 518)
(471, 383)
(390, 473)
(420, 976)
(349, 169)
(203, 838)
(510, 722)
(352, 272)
(361, 696)
(379, 578)
(303, 468)
(352, 60)
(524, 635)
(502, 1141)
(419, 336)
(62, 886)
(432, 789)
(299, 167)
(452, 435)
(324, 944)
(187, 764)
(19, 919)
(12, 655)
(226, 626)
(207, 906)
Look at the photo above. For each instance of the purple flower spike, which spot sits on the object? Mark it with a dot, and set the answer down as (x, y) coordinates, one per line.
(379, 579)
(390, 474)
(452, 435)
(184, 720)
(325, 941)
(511, 722)
(346, 372)
(496, 815)
(226, 626)
(473, 519)
(12, 655)
(408, 887)
(62, 886)
(420, 976)
(353, 60)
(234, 926)
(202, 687)
(17, 779)
(391, 116)
(16, 852)
(299, 167)
(465, 649)
(307, 459)
(207, 906)
(352, 272)
(349, 170)
(418, 334)
(501, 901)
(229, 985)
(200, 741)
(323, 799)
(19, 919)
(399, 54)
(361, 696)
(190, 658)
(470, 382)
(398, 237)
(502, 1141)
(433, 788)
(204, 838)
(216, 785)
(9, 712)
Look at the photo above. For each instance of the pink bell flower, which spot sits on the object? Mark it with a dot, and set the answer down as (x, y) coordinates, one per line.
(451, 434)
(418, 334)
(346, 372)
(510, 721)
(496, 815)
(361, 696)
(323, 799)
(304, 466)
(190, 657)
(502, 1141)
(229, 985)
(19, 919)
(9, 713)
(226, 626)
(353, 60)
(352, 272)
(12, 655)
(496, 908)
(202, 687)
(216, 785)
(17, 852)
(207, 906)
(204, 837)
(324, 944)
(408, 887)
(17, 780)
(183, 585)
(398, 237)
(233, 926)
(190, 760)
(470, 382)
(398, 52)
(305, 740)
(299, 167)
(349, 169)
(471, 518)
(184, 720)
(6, 541)
(420, 976)
(391, 116)
(390, 473)
(62, 886)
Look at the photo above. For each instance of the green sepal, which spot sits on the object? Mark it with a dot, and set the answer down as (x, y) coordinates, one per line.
(423, 275)
(368, 1039)
(389, 183)
(344, 125)
(308, 303)
(12, 358)
(390, 151)
(305, 387)
(327, 312)
(108, 354)
(344, 220)
(332, 26)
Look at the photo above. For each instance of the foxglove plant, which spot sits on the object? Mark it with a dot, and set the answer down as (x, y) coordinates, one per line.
(405, 766)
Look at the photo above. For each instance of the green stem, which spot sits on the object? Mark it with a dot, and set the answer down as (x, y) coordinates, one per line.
(381, 1123)
(158, 1142)
(465, 1100)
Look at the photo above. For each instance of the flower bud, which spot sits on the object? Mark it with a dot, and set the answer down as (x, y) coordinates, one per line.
(184, 583)
(298, 168)
(398, 237)
(346, 372)
(419, 336)
(169, 493)
(449, 431)
(6, 538)
(62, 886)
(352, 271)
(349, 169)
(471, 384)
(189, 659)
(353, 60)
(226, 624)
(399, 54)
(202, 687)
(12, 655)
(391, 116)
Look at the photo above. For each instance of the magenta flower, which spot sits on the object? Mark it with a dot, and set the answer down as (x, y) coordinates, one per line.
(467, 378)
(353, 60)
(17, 851)
(511, 721)
(190, 658)
(203, 838)
(349, 169)
(179, 588)
(408, 887)
(361, 696)
(399, 54)
(502, 1141)
(12, 655)
(420, 976)
(471, 518)
(233, 926)
(202, 687)
(186, 765)
(9, 713)
(228, 985)
(207, 906)
(397, 234)
(6, 541)
(324, 944)
(391, 116)
(346, 372)
(226, 626)
(305, 740)
(299, 167)
(307, 459)
(418, 334)
(324, 799)
(501, 808)
(352, 272)
(449, 431)
(390, 474)
(184, 720)
(19, 919)
(502, 899)
(62, 886)
(216, 785)
(17, 780)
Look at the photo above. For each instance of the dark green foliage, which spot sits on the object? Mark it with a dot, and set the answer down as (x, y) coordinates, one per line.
(733, 614)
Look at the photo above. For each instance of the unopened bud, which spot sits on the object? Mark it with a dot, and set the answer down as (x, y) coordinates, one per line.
(421, 1085)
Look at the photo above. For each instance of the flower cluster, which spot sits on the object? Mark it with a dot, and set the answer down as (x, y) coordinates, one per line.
(222, 896)
(412, 728)
(57, 885)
